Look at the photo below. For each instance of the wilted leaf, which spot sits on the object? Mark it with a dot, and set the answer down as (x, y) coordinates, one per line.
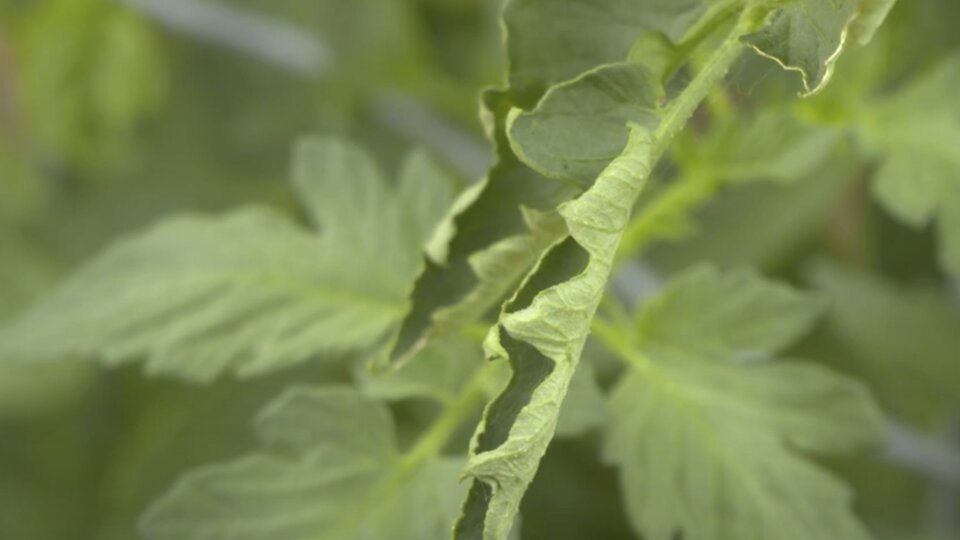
(542, 331)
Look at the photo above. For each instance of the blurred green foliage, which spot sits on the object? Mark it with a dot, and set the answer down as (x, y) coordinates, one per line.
(110, 120)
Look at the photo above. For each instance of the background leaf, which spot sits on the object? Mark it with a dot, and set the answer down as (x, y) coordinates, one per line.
(550, 41)
(250, 292)
(708, 445)
(733, 316)
(330, 468)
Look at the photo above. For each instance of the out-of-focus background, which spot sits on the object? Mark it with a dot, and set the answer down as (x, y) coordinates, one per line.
(116, 113)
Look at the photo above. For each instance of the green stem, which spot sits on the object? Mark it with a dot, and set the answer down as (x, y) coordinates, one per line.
(675, 200)
(428, 446)
(714, 70)
(717, 15)
(469, 400)
(693, 191)
(619, 343)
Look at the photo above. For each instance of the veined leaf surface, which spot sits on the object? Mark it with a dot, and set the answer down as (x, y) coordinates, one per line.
(542, 331)
(329, 469)
(248, 292)
(708, 443)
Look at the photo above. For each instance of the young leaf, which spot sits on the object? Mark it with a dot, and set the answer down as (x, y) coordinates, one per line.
(807, 36)
(329, 468)
(249, 292)
(708, 447)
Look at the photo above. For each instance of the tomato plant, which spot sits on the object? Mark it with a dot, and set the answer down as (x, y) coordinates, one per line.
(694, 296)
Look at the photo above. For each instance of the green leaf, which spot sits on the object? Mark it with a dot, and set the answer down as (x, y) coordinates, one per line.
(705, 314)
(249, 292)
(907, 335)
(870, 18)
(549, 41)
(914, 133)
(807, 36)
(760, 224)
(542, 331)
(773, 145)
(707, 443)
(113, 64)
(498, 230)
(330, 468)
(580, 126)
(437, 372)
(493, 234)
(708, 451)
(584, 408)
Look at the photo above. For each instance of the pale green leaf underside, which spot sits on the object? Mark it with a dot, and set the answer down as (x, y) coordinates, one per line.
(248, 292)
(329, 470)
(807, 36)
(580, 126)
(708, 446)
(542, 332)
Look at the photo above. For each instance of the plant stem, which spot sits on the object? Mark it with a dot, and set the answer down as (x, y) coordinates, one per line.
(428, 446)
(692, 191)
(470, 398)
(676, 199)
(714, 70)
(717, 15)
